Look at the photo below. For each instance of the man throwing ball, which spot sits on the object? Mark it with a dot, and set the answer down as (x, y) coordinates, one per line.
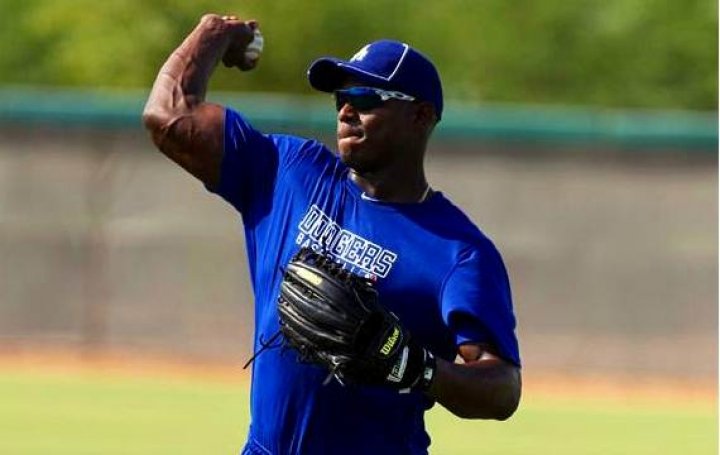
(368, 282)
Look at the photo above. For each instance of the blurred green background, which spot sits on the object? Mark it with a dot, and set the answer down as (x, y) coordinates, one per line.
(581, 136)
(621, 53)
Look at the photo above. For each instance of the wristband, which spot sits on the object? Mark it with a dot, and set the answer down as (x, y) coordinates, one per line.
(426, 376)
(428, 372)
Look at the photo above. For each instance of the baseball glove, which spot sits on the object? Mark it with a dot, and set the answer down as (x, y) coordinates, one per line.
(333, 318)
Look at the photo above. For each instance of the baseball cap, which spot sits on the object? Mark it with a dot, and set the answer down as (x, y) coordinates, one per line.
(385, 64)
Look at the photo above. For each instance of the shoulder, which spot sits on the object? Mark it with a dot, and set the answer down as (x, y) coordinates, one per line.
(241, 134)
(458, 226)
(309, 147)
(470, 245)
(239, 129)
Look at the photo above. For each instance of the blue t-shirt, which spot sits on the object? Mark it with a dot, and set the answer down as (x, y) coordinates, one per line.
(433, 268)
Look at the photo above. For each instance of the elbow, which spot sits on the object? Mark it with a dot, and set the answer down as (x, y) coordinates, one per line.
(153, 119)
(500, 410)
(510, 401)
(500, 405)
(158, 122)
(506, 410)
(149, 120)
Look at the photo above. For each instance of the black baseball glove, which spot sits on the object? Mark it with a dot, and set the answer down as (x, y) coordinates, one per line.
(333, 318)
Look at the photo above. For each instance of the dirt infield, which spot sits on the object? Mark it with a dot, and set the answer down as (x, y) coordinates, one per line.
(616, 389)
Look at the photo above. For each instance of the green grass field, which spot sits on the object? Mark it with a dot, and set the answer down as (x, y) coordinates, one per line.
(83, 413)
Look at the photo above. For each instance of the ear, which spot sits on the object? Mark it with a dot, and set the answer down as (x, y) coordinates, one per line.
(425, 115)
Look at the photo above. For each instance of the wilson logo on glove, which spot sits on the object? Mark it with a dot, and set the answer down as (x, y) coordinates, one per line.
(390, 343)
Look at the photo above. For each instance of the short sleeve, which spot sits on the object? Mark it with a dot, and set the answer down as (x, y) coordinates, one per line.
(248, 155)
(477, 302)
(251, 162)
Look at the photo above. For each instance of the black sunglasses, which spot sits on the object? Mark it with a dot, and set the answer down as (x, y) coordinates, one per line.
(367, 98)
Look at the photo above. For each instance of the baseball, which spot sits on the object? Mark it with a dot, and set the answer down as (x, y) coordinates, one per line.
(255, 48)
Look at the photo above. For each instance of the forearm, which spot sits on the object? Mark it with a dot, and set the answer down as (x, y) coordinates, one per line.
(183, 126)
(482, 389)
(182, 82)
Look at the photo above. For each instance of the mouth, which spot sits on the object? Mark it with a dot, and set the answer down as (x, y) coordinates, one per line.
(350, 140)
(349, 133)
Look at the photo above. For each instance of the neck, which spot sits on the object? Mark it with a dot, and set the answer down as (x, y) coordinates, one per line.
(397, 189)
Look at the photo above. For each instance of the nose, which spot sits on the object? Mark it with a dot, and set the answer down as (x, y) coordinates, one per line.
(346, 113)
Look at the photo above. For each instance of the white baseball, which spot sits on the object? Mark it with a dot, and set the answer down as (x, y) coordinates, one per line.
(255, 48)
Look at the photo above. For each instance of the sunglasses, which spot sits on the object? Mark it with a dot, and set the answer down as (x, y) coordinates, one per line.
(367, 98)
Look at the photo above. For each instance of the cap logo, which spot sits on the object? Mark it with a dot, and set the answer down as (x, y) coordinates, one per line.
(361, 54)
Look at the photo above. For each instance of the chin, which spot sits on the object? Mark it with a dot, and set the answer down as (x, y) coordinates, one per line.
(359, 156)
(347, 150)
(352, 159)
(349, 158)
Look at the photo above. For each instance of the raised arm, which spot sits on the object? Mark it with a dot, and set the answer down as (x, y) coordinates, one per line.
(483, 387)
(183, 125)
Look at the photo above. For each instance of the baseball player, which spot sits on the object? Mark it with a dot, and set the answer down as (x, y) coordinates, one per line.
(369, 208)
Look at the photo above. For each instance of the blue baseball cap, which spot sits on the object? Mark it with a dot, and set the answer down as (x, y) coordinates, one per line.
(384, 64)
